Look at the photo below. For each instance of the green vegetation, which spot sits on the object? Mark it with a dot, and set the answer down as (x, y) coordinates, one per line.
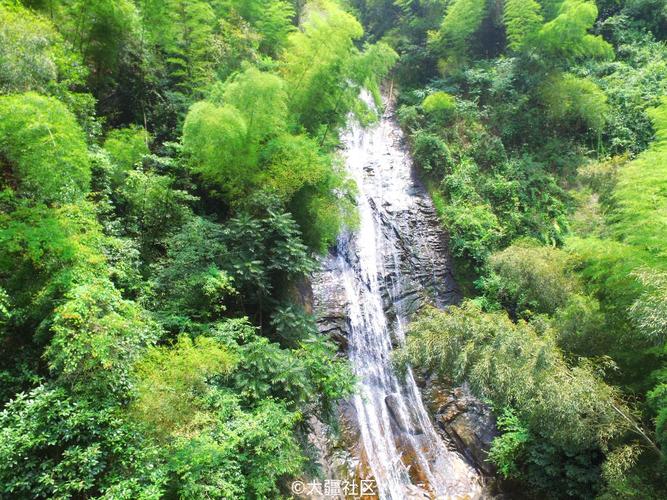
(539, 127)
(566, 416)
(168, 174)
(44, 148)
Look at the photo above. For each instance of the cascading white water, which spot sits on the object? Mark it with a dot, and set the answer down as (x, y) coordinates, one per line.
(392, 261)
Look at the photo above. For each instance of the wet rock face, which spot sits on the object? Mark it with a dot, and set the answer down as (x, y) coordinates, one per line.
(333, 452)
(366, 293)
(418, 269)
(331, 305)
(409, 425)
(300, 292)
(465, 421)
(415, 265)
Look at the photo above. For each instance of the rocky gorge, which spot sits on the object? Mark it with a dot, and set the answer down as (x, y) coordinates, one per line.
(414, 438)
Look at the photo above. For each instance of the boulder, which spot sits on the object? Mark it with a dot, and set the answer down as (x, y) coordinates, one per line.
(465, 421)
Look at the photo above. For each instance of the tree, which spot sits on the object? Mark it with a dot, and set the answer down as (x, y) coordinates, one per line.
(649, 311)
(44, 252)
(473, 226)
(184, 34)
(522, 21)
(576, 100)
(33, 55)
(215, 137)
(532, 278)
(439, 102)
(292, 162)
(102, 33)
(228, 431)
(271, 19)
(513, 364)
(261, 99)
(562, 411)
(462, 19)
(152, 346)
(316, 66)
(565, 39)
(639, 198)
(53, 443)
(172, 381)
(127, 146)
(258, 254)
(153, 208)
(303, 370)
(431, 153)
(236, 43)
(44, 148)
(5, 311)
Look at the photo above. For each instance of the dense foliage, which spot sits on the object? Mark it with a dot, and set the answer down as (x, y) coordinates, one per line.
(539, 127)
(168, 174)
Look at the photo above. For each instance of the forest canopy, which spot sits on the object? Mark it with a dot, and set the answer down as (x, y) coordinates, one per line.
(170, 176)
(538, 127)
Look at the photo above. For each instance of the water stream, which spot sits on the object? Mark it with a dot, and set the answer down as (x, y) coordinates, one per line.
(378, 275)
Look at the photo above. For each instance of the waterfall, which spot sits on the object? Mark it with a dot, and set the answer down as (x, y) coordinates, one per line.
(376, 276)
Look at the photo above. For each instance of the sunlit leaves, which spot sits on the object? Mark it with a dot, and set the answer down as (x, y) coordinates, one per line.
(508, 446)
(315, 63)
(215, 136)
(431, 153)
(44, 147)
(567, 36)
(127, 146)
(438, 102)
(371, 66)
(96, 336)
(33, 55)
(171, 382)
(522, 20)
(272, 19)
(261, 100)
(462, 19)
(152, 206)
(639, 199)
(90, 286)
(441, 107)
(574, 99)
(292, 162)
(183, 30)
(474, 229)
(43, 252)
(224, 141)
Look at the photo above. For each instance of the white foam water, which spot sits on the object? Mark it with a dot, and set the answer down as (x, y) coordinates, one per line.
(373, 270)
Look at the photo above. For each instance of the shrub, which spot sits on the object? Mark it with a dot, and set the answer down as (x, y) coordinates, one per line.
(532, 278)
(431, 154)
